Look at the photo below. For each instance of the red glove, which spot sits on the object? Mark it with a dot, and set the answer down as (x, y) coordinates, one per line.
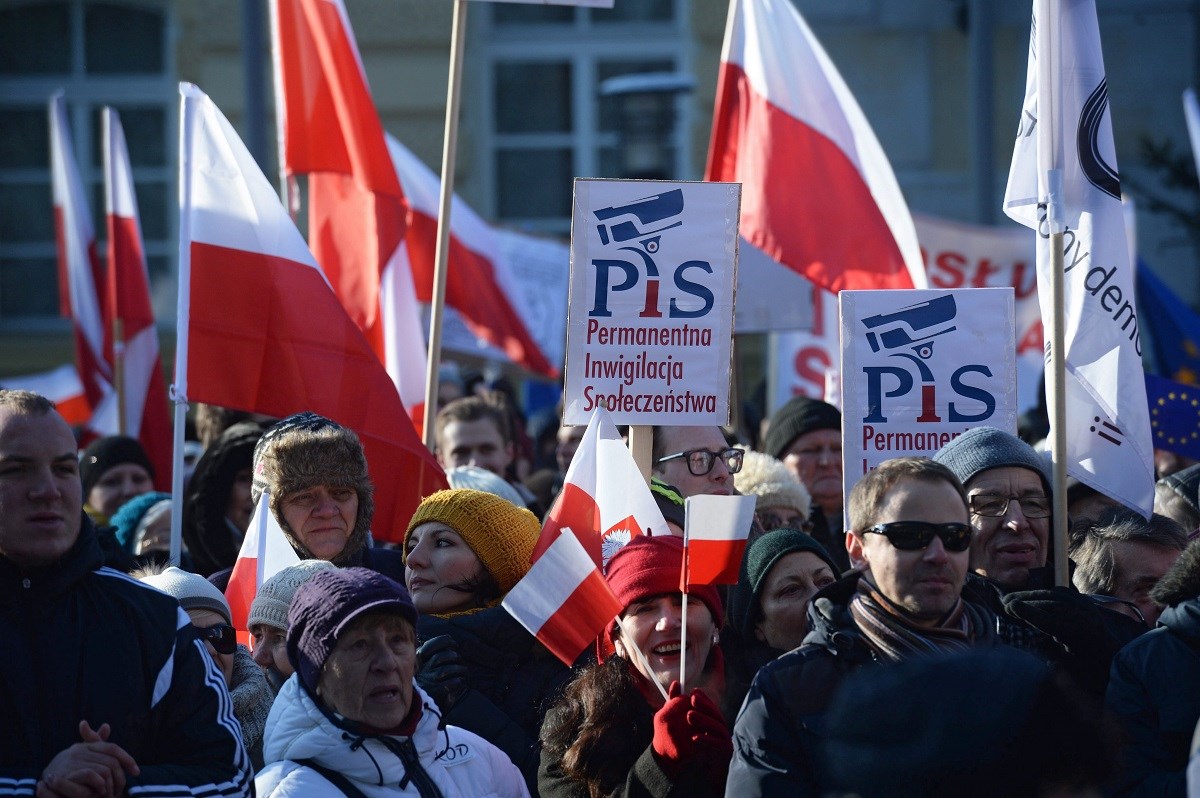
(689, 730)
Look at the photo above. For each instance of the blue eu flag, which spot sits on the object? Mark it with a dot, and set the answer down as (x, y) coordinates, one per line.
(1174, 415)
(1173, 326)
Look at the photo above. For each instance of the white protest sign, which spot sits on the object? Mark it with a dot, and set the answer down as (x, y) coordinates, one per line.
(921, 367)
(650, 314)
(956, 255)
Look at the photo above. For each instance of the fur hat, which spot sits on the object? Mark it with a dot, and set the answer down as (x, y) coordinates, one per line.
(1181, 582)
(501, 534)
(107, 452)
(982, 448)
(192, 591)
(477, 478)
(772, 482)
(323, 607)
(305, 450)
(270, 605)
(651, 566)
(798, 415)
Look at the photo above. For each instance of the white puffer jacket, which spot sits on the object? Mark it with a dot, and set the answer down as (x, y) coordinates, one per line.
(458, 762)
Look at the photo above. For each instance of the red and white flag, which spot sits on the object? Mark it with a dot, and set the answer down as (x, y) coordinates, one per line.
(563, 601)
(818, 193)
(259, 327)
(479, 282)
(357, 213)
(714, 538)
(127, 300)
(604, 500)
(264, 553)
(80, 278)
(61, 386)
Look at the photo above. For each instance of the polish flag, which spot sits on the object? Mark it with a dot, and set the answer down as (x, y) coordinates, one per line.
(61, 386)
(479, 283)
(259, 327)
(127, 298)
(264, 553)
(714, 538)
(563, 601)
(80, 279)
(818, 193)
(357, 213)
(604, 500)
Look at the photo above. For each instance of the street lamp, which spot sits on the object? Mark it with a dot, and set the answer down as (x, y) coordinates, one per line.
(646, 121)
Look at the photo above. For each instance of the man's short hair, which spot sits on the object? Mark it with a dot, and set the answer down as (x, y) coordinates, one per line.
(26, 403)
(1092, 545)
(869, 493)
(474, 408)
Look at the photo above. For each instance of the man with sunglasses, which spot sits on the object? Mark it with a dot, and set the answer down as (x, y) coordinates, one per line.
(909, 544)
(696, 460)
(105, 684)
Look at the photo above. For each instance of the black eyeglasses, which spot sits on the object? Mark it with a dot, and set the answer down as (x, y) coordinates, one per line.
(700, 461)
(991, 506)
(223, 637)
(916, 535)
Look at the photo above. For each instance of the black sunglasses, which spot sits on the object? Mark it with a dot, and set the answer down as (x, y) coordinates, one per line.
(223, 637)
(916, 535)
(701, 461)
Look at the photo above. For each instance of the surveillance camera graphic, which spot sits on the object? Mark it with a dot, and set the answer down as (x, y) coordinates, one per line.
(912, 328)
(651, 215)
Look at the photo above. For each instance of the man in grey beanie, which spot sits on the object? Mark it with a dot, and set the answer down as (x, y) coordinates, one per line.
(1008, 493)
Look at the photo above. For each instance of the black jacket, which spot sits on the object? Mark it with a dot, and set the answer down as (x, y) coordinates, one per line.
(85, 642)
(511, 681)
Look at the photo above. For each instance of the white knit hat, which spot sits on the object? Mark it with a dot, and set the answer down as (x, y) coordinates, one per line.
(192, 591)
(270, 605)
(772, 482)
(476, 478)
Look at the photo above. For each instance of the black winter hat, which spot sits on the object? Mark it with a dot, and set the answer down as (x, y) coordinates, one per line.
(107, 452)
(798, 415)
(757, 562)
(324, 605)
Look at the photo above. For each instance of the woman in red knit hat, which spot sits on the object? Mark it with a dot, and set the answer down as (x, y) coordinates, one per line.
(613, 732)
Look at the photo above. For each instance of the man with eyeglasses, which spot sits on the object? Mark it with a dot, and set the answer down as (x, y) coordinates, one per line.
(909, 543)
(105, 684)
(1008, 492)
(695, 460)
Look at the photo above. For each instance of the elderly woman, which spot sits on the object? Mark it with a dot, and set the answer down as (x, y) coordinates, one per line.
(780, 499)
(768, 607)
(321, 495)
(613, 733)
(465, 549)
(351, 721)
(267, 619)
(209, 612)
(113, 469)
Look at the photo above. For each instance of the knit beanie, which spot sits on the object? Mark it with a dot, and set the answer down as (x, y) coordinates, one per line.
(192, 591)
(274, 596)
(131, 520)
(305, 450)
(981, 448)
(772, 482)
(323, 607)
(104, 453)
(760, 558)
(477, 478)
(501, 534)
(798, 415)
(650, 566)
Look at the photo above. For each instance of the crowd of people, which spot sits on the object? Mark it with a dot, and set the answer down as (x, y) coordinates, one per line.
(909, 643)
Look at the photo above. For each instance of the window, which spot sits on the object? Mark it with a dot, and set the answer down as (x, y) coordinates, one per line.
(539, 74)
(97, 53)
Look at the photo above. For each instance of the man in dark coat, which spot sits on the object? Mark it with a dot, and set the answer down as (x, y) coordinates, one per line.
(1154, 689)
(910, 539)
(104, 684)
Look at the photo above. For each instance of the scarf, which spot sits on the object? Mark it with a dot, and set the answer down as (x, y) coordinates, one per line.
(893, 636)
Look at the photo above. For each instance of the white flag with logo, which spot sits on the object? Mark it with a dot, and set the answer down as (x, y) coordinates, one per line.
(1065, 126)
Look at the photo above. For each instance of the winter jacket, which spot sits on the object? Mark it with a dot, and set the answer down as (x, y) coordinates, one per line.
(1154, 695)
(447, 762)
(511, 681)
(85, 642)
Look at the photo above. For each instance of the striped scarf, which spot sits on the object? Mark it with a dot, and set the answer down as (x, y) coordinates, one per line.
(893, 636)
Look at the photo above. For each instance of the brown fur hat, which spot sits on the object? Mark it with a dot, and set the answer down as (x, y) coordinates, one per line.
(306, 450)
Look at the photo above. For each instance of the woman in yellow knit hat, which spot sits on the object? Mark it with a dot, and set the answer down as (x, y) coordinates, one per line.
(464, 550)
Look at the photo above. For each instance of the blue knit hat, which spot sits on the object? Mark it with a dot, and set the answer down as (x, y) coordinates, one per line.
(324, 605)
(127, 519)
(982, 448)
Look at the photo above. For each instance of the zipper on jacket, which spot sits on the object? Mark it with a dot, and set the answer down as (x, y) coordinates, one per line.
(413, 771)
